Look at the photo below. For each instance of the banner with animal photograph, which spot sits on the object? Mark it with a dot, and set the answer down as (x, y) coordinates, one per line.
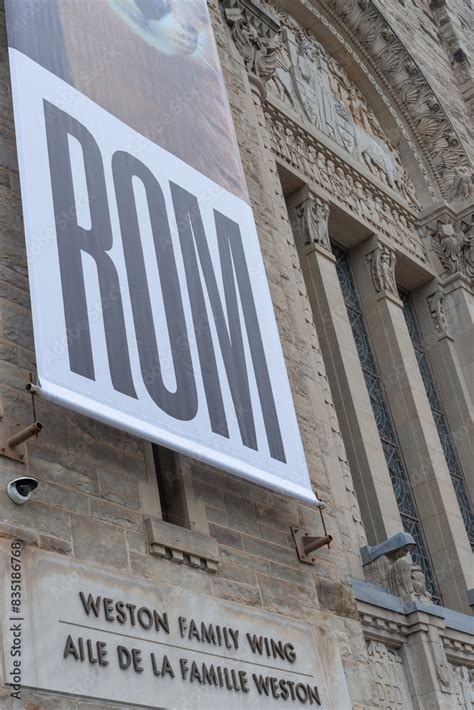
(151, 307)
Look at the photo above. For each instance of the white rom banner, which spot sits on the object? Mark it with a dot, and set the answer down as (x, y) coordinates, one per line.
(150, 303)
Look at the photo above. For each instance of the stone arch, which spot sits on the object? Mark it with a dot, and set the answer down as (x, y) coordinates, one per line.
(394, 81)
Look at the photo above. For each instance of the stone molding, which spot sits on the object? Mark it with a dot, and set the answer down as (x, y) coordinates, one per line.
(454, 44)
(342, 182)
(360, 58)
(312, 83)
(459, 649)
(257, 27)
(446, 644)
(404, 82)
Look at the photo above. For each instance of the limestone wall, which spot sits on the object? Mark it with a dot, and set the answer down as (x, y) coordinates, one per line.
(97, 485)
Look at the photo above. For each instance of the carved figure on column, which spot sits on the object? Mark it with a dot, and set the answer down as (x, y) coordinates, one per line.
(382, 261)
(447, 244)
(452, 240)
(436, 307)
(313, 215)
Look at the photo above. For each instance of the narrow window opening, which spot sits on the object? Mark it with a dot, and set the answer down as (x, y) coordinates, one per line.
(383, 418)
(170, 487)
(439, 416)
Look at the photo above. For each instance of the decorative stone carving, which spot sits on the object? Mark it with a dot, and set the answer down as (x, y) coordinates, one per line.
(453, 242)
(405, 578)
(310, 79)
(304, 153)
(391, 682)
(257, 35)
(435, 304)
(450, 34)
(313, 216)
(404, 83)
(387, 564)
(462, 187)
(444, 676)
(382, 262)
(463, 685)
(308, 82)
(448, 247)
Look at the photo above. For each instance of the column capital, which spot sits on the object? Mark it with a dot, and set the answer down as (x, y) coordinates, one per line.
(382, 261)
(257, 35)
(313, 217)
(449, 231)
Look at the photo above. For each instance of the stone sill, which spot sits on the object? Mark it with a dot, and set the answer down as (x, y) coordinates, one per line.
(181, 545)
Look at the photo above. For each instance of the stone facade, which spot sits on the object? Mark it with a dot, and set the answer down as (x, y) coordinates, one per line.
(352, 124)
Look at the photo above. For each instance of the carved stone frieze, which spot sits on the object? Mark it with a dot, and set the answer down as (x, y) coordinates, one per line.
(310, 81)
(382, 262)
(302, 151)
(257, 35)
(404, 82)
(297, 70)
(463, 685)
(313, 215)
(390, 677)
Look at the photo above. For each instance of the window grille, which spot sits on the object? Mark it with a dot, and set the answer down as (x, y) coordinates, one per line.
(386, 428)
(439, 416)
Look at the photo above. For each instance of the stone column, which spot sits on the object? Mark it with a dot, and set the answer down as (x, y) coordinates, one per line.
(374, 265)
(425, 660)
(429, 304)
(309, 216)
(448, 230)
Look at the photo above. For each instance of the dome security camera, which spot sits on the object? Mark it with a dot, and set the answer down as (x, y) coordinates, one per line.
(20, 490)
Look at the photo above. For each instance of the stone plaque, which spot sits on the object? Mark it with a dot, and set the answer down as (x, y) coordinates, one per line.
(83, 631)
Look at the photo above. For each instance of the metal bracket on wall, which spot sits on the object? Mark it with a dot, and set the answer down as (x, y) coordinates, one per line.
(306, 545)
(13, 438)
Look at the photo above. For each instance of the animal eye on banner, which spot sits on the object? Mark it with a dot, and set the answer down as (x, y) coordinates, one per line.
(151, 308)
